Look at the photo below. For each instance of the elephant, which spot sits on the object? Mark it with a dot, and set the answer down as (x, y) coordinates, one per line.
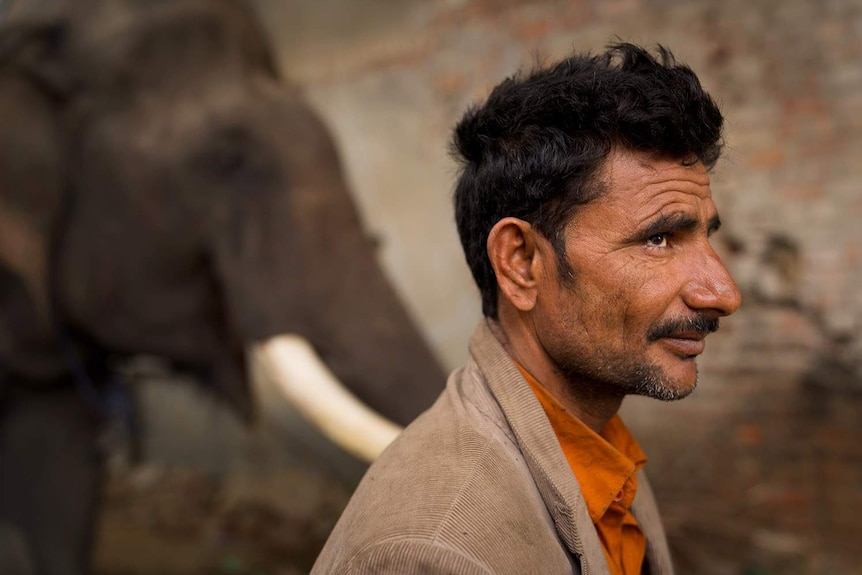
(164, 191)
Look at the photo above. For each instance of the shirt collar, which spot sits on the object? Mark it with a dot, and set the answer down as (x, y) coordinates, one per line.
(604, 463)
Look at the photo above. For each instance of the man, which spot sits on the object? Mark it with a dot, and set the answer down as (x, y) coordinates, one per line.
(585, 213)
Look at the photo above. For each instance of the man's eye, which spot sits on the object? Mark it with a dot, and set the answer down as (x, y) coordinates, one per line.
(657, 241)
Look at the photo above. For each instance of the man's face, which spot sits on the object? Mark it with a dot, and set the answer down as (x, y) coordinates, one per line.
(646, 285)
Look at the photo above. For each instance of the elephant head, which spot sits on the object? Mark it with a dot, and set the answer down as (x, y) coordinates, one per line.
(203, 211)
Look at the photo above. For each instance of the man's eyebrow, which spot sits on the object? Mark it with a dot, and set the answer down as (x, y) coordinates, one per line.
(714, 224)
(669, 224)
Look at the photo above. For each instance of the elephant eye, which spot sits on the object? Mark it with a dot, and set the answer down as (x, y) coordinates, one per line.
(233, 156)
(227, 154)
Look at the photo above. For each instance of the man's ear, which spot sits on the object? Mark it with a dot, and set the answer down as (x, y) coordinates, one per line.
(514, 253)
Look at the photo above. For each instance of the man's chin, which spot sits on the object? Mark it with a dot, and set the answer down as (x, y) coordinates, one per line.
(669, 393)
(669, 384)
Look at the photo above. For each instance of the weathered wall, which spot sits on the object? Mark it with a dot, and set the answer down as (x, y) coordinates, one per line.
(762, 468)
(392, 78)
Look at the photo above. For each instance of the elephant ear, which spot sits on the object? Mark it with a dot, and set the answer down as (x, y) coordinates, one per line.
(32, 176)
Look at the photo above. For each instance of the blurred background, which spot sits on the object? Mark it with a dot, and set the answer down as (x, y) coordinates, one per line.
(759, 472)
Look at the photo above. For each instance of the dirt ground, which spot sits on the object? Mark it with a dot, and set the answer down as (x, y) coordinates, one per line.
(211, 495)
(159, 521)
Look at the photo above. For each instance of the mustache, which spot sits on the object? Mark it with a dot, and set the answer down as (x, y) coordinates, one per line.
(700, 323)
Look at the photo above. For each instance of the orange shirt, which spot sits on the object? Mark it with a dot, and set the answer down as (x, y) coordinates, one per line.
(604, 465)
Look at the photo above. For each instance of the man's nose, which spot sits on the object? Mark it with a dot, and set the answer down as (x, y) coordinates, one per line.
(711, 287)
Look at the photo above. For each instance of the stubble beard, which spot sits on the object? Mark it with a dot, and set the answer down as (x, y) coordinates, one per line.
(624, 376)
(653, 382)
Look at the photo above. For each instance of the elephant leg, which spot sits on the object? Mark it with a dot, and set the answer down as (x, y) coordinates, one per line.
(14, 555)
(50, 475)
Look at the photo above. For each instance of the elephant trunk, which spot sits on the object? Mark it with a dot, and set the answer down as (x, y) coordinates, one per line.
(291, 255)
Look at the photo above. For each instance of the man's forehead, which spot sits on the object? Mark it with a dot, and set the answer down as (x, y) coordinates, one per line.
(637, 181)
(626, 168)
(638, 188)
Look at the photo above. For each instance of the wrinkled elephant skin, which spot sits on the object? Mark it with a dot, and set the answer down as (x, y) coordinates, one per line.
(163, 192)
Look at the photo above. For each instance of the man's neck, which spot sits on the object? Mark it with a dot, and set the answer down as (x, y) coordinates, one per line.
(585, 400)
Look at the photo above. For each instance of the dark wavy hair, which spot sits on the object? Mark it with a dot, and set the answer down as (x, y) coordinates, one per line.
(534, 148)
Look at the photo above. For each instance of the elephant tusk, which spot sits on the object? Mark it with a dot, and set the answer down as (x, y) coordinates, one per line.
(312, 389)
